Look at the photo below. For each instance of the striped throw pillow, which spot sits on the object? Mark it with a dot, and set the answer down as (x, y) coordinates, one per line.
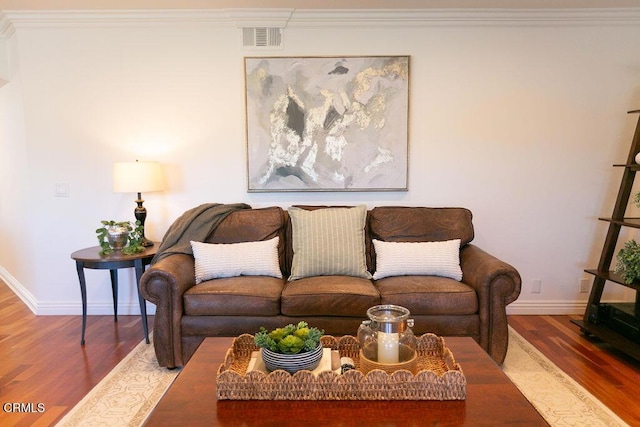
(328, 241)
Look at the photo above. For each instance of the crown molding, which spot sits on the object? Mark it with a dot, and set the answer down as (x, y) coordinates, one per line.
(110, 18)
(260, 17)
(6, 28)
(12, 19)
(469, 17)
(349, 18)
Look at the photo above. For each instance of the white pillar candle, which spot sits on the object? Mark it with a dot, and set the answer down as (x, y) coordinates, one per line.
(388, 349)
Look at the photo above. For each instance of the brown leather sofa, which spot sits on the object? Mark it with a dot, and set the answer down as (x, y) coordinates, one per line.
(186, 313)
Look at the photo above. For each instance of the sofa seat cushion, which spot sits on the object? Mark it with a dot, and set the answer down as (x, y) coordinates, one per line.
(428, 295)
(235, 296)
(329, 296)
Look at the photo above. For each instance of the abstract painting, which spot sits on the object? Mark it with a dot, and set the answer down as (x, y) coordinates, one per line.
(327, 123)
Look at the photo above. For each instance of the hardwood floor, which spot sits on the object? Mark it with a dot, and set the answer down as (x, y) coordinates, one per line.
(608, 374)
(42, 361)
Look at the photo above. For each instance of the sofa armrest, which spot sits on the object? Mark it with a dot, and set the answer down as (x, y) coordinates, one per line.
(497, 284)
(164, 285)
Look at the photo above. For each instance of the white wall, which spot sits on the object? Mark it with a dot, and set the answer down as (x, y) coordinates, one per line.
(15, 243)
(520, 122)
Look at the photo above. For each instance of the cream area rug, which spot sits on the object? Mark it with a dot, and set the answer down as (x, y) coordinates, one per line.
(127, 395)
(555, 395)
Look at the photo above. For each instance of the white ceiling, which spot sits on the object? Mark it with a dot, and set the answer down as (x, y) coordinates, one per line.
(313, 4)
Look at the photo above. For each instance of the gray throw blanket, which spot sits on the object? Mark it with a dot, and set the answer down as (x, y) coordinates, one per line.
(195, 224)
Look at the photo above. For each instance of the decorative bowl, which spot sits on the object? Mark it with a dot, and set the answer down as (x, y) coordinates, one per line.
(292, 362)
(117, 236)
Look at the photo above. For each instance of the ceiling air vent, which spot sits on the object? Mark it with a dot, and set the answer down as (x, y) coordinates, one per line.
(262, 38)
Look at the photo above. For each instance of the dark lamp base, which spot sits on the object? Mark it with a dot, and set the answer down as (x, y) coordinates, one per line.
(146, 242)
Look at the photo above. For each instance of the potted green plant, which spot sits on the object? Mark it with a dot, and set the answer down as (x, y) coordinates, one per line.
(628, 262)
(291, 348)
(120, 236)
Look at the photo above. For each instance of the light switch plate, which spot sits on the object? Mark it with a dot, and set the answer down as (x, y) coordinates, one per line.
(62, 189)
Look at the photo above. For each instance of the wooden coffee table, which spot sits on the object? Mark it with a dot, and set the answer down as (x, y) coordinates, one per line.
(492, 399)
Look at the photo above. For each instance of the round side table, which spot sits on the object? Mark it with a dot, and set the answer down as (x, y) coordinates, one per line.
(91, 258)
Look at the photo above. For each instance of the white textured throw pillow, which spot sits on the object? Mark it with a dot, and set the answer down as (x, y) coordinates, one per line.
(214, 260)
(418, 259)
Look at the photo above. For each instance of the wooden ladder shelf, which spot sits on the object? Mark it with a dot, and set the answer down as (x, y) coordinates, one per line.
(616, 323)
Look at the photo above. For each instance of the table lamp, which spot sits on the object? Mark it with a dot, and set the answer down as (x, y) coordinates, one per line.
(138, 177)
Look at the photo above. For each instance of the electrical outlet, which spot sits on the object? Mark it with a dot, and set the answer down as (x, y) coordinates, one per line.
(584, 286)
(536, 284)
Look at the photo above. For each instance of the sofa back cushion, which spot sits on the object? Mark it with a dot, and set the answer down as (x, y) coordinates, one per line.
(418, 224)
(387, 223)
(252, 225)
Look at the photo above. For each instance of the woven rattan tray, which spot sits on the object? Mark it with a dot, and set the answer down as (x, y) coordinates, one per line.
(439, 377)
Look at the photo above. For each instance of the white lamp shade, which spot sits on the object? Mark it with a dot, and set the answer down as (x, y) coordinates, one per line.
(137, 177)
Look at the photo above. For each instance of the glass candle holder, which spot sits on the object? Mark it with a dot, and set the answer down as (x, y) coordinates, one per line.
(386, 338)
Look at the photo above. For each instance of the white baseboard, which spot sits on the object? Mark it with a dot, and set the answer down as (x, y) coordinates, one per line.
(17, 288)
(69, 308)
(93, 309)
(547, 307)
